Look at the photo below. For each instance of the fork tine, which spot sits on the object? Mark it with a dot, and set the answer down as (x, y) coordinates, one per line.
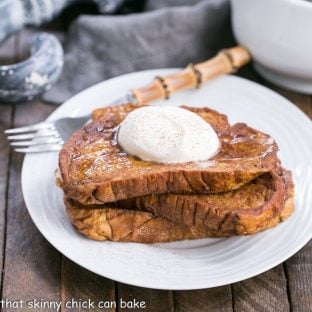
(40, 148)
(38, 126)
(30, 136)
(38, 141)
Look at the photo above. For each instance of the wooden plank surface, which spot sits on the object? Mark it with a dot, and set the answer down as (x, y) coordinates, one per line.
(266, 292)
(214, 299)
(5, 122)
(6, 113)
(32, 265)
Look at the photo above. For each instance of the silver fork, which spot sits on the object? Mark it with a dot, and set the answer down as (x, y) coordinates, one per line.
(47, 136)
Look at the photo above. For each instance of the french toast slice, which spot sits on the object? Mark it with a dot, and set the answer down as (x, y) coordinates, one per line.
(269, 200)
(238, 211)
(95, 170)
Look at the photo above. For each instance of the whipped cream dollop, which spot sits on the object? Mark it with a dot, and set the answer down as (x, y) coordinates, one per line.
(167, 134)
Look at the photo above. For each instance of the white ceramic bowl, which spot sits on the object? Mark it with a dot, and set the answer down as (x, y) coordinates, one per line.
(278, 34)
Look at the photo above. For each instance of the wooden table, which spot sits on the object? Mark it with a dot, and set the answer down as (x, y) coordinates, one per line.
(33, 269)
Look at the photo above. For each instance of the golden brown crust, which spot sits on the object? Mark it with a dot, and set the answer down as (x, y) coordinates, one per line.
(240, 210)
(108, 222)
(95, 170)
(127, 225)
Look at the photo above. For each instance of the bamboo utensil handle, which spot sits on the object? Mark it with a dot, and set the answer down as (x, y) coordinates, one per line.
(225, 62)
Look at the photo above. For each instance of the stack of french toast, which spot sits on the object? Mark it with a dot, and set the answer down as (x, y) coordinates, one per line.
(111, 195)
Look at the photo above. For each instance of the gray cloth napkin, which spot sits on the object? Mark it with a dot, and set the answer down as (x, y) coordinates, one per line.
(101, 47)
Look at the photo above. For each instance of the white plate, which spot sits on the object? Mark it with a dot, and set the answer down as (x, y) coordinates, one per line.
(187, 264)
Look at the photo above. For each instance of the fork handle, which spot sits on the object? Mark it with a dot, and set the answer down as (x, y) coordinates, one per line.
(225, 62)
